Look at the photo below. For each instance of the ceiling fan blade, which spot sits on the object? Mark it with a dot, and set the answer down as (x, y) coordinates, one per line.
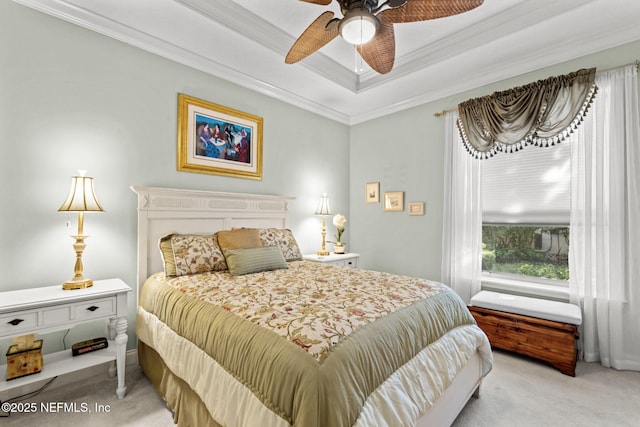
(322, 2)
(423, 10)
(380, 52)
(396, 3)
(313, 38)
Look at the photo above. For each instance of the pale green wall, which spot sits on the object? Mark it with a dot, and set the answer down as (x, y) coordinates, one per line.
(73, 99)
(405, 152)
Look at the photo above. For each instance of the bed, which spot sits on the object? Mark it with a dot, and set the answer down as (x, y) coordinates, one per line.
(256, 336)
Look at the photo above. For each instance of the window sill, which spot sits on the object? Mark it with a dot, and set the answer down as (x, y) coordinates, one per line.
(526, 288)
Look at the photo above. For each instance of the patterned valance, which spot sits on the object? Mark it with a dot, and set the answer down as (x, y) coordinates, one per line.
(542, 113)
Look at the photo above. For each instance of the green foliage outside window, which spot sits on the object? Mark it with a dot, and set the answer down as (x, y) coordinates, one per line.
(488, 258)
(550, 271)
(518, 250)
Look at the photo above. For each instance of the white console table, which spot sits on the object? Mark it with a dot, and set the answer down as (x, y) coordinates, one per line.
(49, 309)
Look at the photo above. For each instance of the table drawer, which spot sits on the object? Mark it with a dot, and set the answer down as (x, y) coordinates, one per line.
(346, 263)
(18, 322)
(56, 315)
(96, 309)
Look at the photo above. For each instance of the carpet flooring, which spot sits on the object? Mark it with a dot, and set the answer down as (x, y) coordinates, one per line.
(518, 392)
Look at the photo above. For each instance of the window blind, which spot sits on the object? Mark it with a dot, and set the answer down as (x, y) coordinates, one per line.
(529, 187)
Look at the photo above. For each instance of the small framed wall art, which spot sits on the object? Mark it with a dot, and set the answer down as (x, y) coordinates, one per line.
(218, 140)
(416, 208)
(394, 201)
(372, 192)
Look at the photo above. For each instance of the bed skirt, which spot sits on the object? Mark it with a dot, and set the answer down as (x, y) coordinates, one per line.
(187, 407)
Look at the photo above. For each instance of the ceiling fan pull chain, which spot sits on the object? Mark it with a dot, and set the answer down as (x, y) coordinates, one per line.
(357, 59)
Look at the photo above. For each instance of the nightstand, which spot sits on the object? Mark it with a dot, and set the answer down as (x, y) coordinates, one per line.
(345, 260)
(49, 309)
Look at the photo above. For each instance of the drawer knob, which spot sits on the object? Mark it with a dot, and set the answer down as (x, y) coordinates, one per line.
(16, 322)
(92, 308)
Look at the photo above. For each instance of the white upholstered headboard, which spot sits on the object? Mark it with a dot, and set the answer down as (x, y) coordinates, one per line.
(168, 210)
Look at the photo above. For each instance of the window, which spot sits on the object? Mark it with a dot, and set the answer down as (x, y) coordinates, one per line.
(525, 215)
(532, 251)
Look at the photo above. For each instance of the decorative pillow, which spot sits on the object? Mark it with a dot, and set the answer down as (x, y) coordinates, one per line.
(239, 238)
(283, 238)
(196, 254)
(167, 255)
(191, 254)
(254, 260)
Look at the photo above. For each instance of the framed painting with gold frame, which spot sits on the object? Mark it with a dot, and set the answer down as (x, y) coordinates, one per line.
(394, 201)
(218, 140)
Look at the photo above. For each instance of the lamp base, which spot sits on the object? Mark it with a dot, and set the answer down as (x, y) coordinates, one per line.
(324, 253)
(77, 283)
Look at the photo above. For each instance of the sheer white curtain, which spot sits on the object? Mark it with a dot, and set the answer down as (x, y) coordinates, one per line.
(604, 258)
(462, 216)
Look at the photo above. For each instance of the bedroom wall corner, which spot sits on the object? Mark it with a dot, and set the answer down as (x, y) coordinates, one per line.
(405, 152)
(74, 99)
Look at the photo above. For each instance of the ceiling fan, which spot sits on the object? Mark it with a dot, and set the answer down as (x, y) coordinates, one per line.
(368, 24)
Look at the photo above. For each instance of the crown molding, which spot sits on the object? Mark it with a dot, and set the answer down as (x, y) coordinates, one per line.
(509, 21)
(497, 72)
(455, 51)
(270, 37)
(100, 24)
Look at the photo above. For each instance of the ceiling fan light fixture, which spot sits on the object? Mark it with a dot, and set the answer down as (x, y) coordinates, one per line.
(359, 26)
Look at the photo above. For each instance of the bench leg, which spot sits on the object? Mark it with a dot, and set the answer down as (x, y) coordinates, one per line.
(476, 393)
(565, 368)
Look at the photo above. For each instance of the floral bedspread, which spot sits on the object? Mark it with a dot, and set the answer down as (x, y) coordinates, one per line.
(311, 304)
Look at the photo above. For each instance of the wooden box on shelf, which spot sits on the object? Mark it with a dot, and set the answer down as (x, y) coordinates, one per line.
(24, 362)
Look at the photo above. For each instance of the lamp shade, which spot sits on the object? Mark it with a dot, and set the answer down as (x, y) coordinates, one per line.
(323, 206)
(82, 197)
(359, 26)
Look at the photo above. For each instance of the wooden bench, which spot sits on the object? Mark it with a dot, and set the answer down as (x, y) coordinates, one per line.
(546, 330)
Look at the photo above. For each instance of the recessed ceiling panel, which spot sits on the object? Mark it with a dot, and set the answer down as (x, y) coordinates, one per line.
(245, 42)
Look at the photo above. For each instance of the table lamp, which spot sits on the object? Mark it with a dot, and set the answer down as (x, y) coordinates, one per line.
(81, 199)
(323, 210)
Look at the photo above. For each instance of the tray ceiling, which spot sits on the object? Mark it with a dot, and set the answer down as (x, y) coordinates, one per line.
(245, 42)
